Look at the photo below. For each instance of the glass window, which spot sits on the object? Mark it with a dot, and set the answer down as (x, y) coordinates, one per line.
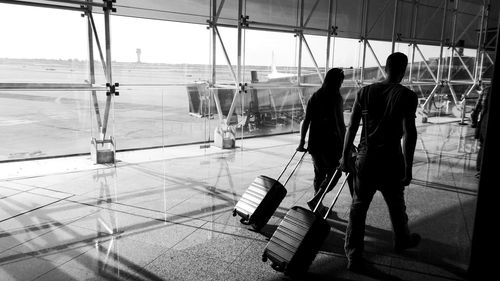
(42, 45)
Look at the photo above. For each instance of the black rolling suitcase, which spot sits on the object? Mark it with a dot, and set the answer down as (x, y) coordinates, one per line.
(299, 236)
(261, 199)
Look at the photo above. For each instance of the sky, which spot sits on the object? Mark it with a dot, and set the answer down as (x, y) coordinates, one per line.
(31, 32)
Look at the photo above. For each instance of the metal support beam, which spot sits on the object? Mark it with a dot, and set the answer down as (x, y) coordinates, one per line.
(241, 24)
(98, 43)
(426, 64)
(453, 41)
(413, 30)
(376, 59)
(109, 76)
(44, 5)
(95, 102)
(215, 16)
(228, 61)
(329, 35)
(364, 26)
(412, 61)
(468, 27)
(481, 64)
(489, 57)
(217, 13)
(441, 43)
(236, 77)
(306, 22)
(321, 78)
(241, 20)
(463, 64)
(103, 148)
(50, 87)
(453, 94)
(480, 45)
(428, 99)
(394, 22)
(79, 3)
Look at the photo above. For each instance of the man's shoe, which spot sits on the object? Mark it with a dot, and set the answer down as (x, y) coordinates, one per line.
(413, 241)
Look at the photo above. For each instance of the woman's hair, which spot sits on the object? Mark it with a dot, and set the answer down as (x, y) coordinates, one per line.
(333, 78)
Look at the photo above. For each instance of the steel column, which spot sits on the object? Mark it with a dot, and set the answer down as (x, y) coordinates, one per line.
(92, 67)
(329, 36)
(77, 8)
(109, 76)
(453, 42)
(480, 43)
(364, 33)
(312, 57)
(426, 64)
(299, 34)
(413, 31)
(396, 2)
(441, 44)
(237, 77)
(376, 59)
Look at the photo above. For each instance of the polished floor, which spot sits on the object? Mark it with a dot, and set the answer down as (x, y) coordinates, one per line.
(166, 214)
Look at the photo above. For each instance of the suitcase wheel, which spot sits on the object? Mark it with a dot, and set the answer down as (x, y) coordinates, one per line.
(244, 221)
(264, 257)
(257, 227)
(234, 213)
(278, 267)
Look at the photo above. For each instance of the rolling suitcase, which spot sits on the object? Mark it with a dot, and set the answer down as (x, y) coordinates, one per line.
(261, 199)
(299, 236)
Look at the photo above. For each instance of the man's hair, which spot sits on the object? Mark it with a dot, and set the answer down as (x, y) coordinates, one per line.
(396, 63)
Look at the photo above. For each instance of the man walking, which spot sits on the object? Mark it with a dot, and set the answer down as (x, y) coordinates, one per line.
(388, 112)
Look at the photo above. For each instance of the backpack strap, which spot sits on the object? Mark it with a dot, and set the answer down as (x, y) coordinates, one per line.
(364, 112)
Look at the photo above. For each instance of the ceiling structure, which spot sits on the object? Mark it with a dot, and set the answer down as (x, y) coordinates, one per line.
(412, 20)
(401, 20)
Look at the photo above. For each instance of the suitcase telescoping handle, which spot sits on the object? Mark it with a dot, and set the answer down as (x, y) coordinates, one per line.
(325, 191)
(294, 168)
(336, 196)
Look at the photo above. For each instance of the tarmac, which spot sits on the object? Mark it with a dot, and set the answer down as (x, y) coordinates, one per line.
(167, 214)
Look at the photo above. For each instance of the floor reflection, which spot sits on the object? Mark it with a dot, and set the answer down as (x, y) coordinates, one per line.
(106, 223)
(153, 220)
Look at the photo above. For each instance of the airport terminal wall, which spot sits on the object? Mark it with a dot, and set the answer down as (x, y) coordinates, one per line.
(54, 105)
(138, 75)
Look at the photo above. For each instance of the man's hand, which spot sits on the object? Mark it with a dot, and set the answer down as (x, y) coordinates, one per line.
(346, 164)
(407, 179)
(301, 148)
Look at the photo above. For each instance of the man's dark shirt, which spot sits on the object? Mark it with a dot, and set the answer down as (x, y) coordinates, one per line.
(384, 106)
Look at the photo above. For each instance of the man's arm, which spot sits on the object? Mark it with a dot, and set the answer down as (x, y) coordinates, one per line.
(350, 136)
(339, 118)
(305, 126)
(409, 143)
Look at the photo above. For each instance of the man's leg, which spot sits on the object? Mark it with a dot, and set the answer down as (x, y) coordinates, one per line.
(319, 172)
(355, 232)
(394, 197)
(350, 183)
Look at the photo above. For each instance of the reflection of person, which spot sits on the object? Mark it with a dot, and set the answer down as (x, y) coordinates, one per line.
(388, 111)
(325, 121)
(479, 122)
